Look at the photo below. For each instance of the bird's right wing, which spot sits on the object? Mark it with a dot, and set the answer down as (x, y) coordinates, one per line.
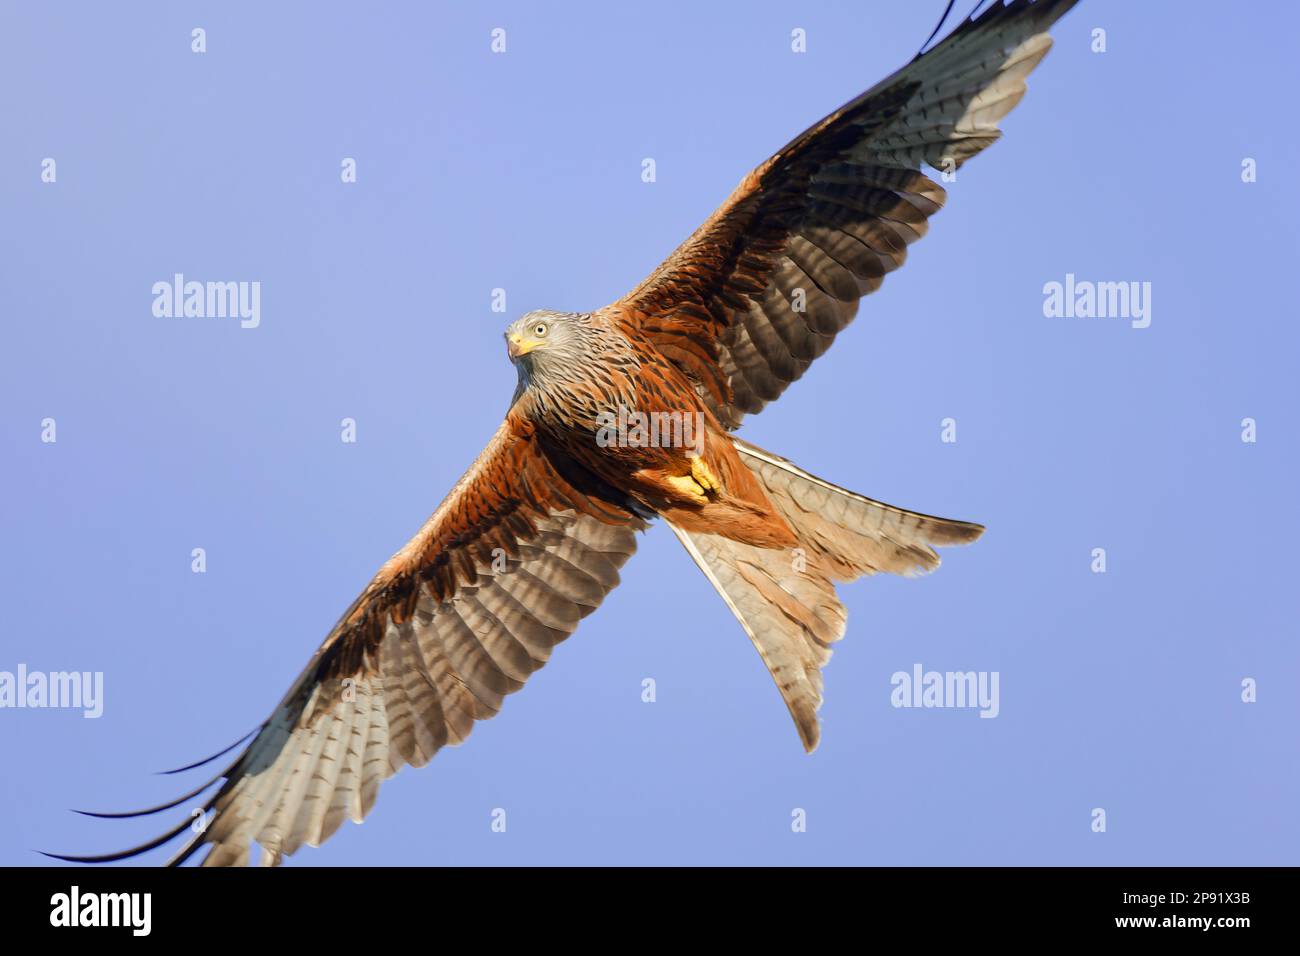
(457, 619)
(747, 303)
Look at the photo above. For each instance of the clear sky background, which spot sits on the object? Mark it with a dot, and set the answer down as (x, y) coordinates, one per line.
(522, 171)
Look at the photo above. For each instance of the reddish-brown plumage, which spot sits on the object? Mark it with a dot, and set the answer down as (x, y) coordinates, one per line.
(532, 537)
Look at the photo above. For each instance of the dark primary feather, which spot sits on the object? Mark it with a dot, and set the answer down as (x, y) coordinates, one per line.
(503, 571)
(763, 287)
(208, 760)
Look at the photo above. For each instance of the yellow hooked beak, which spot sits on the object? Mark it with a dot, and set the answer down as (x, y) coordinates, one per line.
(517, 345)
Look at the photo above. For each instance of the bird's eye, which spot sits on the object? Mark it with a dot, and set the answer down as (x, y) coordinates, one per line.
(539, 329)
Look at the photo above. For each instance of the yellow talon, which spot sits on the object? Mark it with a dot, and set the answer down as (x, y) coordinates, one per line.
(688, 488)
(704, 476)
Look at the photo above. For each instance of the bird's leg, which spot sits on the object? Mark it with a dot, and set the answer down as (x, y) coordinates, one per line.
(687, 487)
(698, 487)
(703, 475)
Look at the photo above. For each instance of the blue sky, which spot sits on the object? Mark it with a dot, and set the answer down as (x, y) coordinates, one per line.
(522, 171)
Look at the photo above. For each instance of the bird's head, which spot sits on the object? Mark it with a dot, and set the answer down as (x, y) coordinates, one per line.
(544, 339)
(530, 333)
(554, 352)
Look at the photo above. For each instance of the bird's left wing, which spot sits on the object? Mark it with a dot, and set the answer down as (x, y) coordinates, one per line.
(762, 288)
(519, 551)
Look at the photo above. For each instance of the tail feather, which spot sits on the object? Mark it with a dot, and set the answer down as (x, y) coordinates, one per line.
(785, 598)
(853, 534)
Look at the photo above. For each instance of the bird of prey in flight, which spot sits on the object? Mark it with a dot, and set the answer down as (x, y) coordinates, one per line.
(532, 538)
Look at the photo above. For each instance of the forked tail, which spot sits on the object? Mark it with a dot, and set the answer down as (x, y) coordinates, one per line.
(785, 598)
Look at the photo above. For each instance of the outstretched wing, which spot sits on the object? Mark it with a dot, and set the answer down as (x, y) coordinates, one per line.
(519, 551)
(762, 288)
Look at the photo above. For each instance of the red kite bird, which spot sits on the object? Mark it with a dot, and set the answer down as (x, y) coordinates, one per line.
(531, 539)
